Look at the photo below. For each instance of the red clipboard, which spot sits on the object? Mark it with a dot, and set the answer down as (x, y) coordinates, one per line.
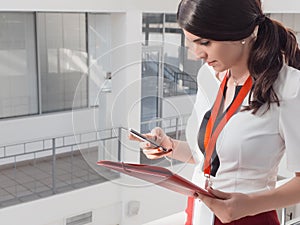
(156, 175)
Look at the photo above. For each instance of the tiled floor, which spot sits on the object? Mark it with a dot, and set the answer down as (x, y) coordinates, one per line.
(23, 182)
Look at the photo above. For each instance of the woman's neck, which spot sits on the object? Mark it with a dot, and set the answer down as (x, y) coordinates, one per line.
(238, 76)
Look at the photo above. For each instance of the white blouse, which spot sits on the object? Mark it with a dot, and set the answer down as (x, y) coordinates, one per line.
(249, 147)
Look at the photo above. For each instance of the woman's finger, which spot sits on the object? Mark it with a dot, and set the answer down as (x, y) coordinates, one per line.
(134, 138)
(152, 151)
(219, 194)
(155, 153)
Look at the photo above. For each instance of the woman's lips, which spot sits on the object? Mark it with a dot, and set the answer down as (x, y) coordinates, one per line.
(211, 63)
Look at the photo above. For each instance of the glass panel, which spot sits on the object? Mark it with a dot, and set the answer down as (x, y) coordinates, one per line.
(99, 33)
(179, 65)
(63, 60)
(150, 99)
(150, 104)
(153, 28)
(18, 87)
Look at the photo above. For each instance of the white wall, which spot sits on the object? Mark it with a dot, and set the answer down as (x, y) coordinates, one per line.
(47, 126)
(108, 202)
(91, 5)
(270, 6)
(279, 6)
(55, 209)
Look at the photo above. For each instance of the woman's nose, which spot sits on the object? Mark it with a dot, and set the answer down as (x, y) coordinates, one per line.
(199, 52)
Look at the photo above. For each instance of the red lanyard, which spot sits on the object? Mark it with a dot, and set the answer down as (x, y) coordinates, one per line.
(210, 137)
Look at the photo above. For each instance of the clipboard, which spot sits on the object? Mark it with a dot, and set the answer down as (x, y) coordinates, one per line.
(156, 175)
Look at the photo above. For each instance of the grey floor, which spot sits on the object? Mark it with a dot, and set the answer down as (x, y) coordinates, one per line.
(33, 179)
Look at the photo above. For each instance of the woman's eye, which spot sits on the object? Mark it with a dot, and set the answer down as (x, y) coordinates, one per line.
(202, 42)
(205, 43)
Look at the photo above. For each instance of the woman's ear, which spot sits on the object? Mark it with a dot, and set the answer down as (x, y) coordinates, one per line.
(255, 31)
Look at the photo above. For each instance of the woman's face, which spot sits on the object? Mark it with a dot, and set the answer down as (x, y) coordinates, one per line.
(221, 55)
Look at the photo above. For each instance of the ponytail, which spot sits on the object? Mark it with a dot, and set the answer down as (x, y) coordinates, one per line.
(274, 46)
(291, 50)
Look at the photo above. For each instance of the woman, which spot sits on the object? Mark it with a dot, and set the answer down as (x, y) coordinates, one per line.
(254, 118)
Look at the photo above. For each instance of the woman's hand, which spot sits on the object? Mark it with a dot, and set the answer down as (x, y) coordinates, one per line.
(228, 206)
(159, 136)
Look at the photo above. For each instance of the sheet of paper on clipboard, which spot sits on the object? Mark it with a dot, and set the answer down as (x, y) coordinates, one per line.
(156, 175)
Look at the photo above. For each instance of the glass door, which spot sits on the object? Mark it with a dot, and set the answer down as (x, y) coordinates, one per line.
(152, 82)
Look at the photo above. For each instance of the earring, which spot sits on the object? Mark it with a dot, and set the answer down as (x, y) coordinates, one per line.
(243, 42)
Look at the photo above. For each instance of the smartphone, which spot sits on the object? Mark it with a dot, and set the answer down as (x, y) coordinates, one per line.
(143, 138)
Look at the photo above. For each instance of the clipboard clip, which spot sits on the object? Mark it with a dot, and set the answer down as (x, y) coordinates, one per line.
(124, 168)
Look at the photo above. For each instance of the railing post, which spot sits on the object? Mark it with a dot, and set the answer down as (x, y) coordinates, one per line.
(177, 129)
(119, 144)
(53, 166)
(283, 216)
(175, 82)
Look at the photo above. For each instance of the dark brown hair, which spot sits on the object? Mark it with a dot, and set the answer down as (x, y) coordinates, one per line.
(232, 20)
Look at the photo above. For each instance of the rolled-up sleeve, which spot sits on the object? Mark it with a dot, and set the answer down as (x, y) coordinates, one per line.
(289, 124)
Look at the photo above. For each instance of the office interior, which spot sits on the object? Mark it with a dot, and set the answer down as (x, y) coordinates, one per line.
(75, 75)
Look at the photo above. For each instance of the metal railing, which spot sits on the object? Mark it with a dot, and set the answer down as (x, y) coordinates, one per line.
(40, 168)
(51, 146)
(173, 126)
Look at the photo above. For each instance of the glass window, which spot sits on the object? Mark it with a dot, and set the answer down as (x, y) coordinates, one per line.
(99, 45)
(18, 86)
(153, 28)
(179, 66)
(62, 60)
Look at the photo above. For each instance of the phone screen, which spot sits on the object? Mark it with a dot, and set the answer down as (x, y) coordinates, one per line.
(143, 138)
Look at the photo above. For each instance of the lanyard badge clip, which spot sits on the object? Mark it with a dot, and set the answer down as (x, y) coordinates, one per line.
(208, 182)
